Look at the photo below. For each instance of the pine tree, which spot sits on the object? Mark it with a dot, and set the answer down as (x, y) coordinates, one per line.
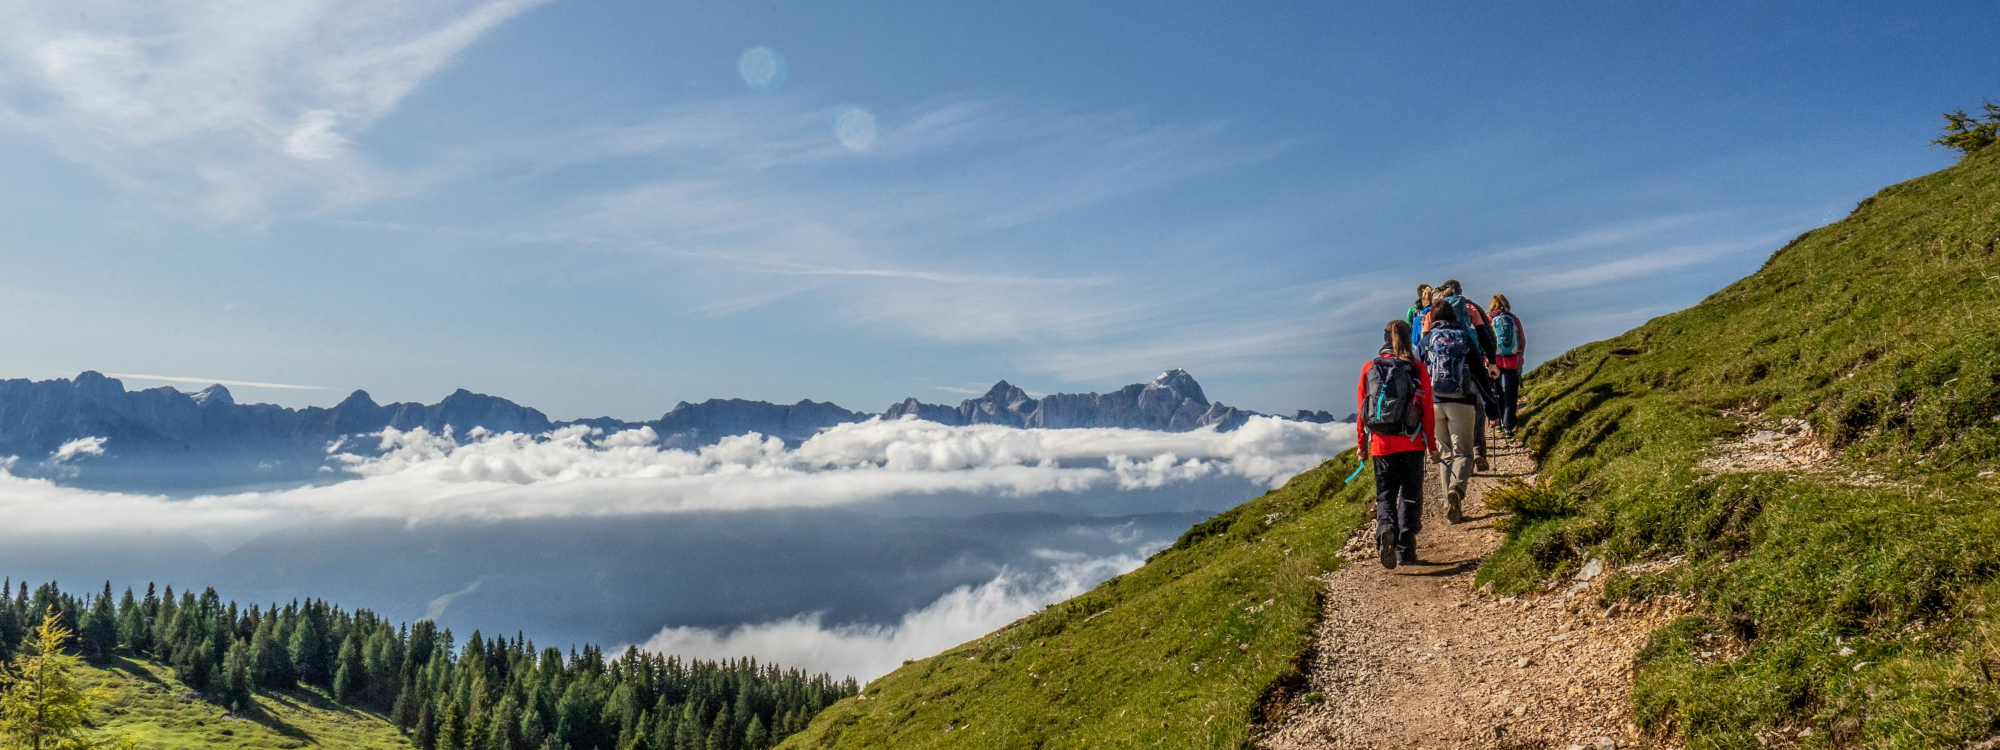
(11, 625)
(132, 631)
(451, 728)
(304, 650)
(756, 737)
(100, 627)
(425, 735)
(504, 732)
(41, 706)
(533, 730)
(350, 676)
(237, 681)
(1968, 133)
(163, 622)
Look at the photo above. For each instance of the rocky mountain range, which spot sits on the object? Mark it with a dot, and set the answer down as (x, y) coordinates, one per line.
(91, 431)
(1172, 402)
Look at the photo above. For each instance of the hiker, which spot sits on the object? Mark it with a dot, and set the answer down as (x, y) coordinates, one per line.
(1395, 431)
(1510, 351)
(1415, 316)
(1451, 356)
(1486, 376)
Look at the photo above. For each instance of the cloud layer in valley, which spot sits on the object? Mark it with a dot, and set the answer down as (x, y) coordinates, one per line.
(418, 476)
(867, 651)
(416, 492)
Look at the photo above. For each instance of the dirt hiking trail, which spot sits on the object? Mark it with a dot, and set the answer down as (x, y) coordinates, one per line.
(1417, 658)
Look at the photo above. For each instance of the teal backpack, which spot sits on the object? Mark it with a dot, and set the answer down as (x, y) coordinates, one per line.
(1507, 334)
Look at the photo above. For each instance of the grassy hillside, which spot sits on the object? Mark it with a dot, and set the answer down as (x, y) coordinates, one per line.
(1850, 603)
(153, 710)
(1176, 654)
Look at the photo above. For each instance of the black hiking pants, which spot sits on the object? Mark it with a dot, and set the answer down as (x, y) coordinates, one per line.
(1510, 398)
(1399, 497)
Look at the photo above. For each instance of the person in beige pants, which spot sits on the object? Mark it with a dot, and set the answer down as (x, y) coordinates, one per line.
(1455, 424)
(1448, 352)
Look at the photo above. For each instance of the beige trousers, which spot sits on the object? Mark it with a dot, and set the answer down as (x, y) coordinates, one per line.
(1456, 424)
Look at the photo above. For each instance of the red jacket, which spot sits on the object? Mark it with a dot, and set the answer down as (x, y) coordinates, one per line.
(1382, 445)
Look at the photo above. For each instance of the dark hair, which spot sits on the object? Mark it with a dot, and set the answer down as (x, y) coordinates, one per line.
(1396, 339)
(1452, 285)
(1440, 313)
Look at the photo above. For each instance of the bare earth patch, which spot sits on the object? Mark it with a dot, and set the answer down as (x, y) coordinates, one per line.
(1416, 658)
(1789, 445)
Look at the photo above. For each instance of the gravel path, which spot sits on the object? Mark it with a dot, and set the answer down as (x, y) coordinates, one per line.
(1416, 658)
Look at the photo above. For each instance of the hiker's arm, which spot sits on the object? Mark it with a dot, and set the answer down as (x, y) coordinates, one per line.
(1430, 409)
(1361, 413)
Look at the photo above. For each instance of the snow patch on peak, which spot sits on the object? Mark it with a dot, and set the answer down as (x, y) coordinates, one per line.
(214, 395)
(1181, 383)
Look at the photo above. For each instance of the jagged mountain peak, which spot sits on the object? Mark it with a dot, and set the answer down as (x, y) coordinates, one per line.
(1006, 394)
(94, 384)
(357, 398)
(1182, 383)
(214, 395)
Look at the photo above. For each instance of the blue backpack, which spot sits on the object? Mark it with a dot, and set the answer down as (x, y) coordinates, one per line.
(1507, 334)
(1445, 349)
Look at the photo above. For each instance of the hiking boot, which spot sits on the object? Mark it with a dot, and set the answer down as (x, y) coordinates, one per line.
(1385, 546)
(1406, 556)
(1480, 464)
(1453, 514)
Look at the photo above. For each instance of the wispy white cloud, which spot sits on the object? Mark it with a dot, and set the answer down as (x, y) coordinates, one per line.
(79, 448)
(1643, 264)
(216, 381)
(233, 109)
(1615, 235)
(764, 204)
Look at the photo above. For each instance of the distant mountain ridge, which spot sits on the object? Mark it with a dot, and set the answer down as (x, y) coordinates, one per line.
(168, 439)
(1172, 402)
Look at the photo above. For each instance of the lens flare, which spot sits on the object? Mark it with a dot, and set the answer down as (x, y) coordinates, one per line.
(855, 128)
(762, 68)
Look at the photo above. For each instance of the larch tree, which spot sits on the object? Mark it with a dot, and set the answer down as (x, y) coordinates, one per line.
(41, 705)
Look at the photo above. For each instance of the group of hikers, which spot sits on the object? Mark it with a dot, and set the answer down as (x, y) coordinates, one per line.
(1448, 373)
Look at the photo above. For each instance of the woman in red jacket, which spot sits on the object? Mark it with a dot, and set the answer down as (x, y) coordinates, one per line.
(1510, 355)
(1399, 459)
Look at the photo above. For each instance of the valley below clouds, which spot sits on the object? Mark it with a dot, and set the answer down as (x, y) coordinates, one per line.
(865, 545)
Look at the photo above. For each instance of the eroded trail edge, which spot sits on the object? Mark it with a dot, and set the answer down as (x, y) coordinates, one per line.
(1418, 658)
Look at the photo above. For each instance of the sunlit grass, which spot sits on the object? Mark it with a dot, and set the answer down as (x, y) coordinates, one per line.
(1849, 606)
(155, 712)
(1179, 653)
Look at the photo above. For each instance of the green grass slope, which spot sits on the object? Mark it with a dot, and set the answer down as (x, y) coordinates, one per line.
(147, 706)
(1849, 606)
(1178, 653)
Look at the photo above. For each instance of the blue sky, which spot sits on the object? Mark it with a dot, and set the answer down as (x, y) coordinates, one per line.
(605, 207)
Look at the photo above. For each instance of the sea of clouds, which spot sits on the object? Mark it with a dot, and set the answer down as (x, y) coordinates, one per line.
(419, 477)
